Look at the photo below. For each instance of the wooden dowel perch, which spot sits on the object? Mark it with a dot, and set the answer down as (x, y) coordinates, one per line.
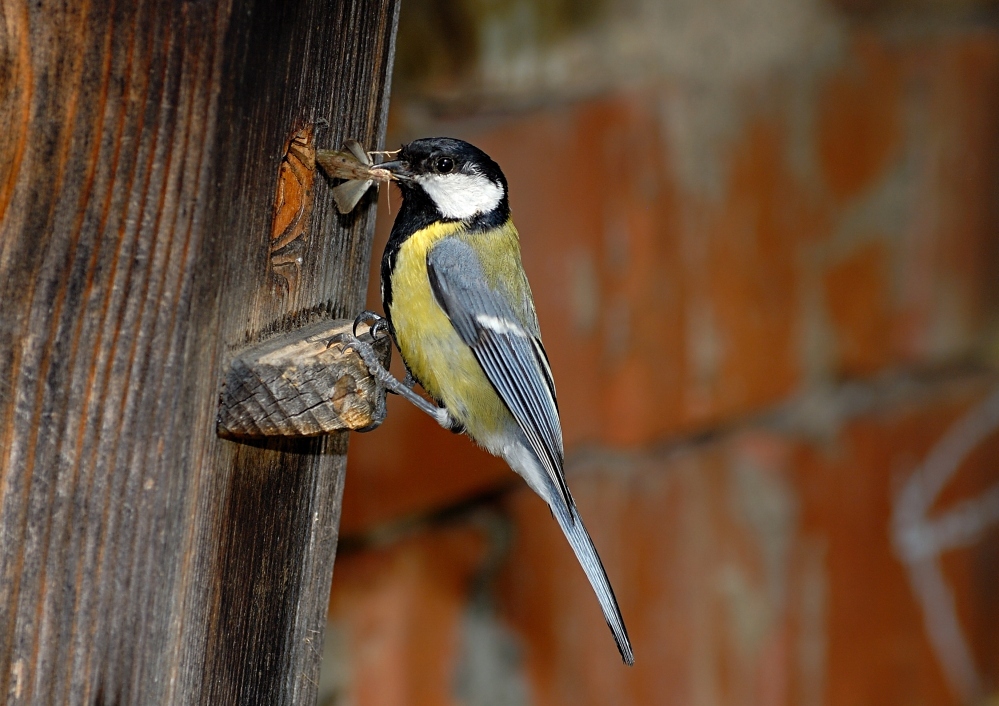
(297, 385)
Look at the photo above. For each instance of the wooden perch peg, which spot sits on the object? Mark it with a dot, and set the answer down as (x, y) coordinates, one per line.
(298, 385)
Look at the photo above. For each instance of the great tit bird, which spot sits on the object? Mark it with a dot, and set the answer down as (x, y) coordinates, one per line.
(460, 310)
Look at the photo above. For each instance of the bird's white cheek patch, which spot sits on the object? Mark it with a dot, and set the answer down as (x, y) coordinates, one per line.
(462, 195)
(503, 327)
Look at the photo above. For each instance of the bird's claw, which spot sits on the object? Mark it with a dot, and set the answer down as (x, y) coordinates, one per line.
(340, 338)
(376, 324)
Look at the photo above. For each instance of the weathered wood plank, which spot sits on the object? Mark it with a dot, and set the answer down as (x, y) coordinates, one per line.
(143, 559)
(299, 385)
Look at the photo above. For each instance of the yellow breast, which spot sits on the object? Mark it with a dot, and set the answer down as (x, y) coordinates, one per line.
(431, 347)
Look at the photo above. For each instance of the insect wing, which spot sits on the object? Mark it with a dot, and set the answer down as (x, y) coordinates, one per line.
(349, 193)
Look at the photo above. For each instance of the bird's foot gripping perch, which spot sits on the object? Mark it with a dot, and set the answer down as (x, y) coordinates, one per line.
(376, 324)
(384, 377)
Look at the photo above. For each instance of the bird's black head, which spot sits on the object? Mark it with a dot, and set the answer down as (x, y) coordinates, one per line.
(446, 179)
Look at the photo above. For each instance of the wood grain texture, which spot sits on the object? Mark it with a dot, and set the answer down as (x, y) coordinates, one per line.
(144, 560)
(299, 385)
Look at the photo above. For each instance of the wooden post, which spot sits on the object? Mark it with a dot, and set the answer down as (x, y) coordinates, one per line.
(158, 215)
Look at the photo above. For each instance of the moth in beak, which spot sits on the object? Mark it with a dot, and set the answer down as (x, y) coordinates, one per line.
(356, 167)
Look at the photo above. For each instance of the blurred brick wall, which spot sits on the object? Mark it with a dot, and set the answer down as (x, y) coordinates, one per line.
(763, 241)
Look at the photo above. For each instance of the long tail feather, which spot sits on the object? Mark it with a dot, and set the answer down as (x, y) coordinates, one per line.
(586, 553)
(524, 461)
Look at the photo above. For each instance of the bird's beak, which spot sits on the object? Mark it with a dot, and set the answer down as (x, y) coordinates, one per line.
(399, 169)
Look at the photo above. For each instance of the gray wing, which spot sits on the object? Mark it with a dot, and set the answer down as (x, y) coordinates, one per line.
(507, 348)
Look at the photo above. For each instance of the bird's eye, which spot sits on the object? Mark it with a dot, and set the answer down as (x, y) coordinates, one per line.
(444, 165)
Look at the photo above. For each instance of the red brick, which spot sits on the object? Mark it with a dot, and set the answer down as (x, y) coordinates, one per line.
(948, 265)
(399, 611)
(860, 119)
(753, 277)
(859, 305)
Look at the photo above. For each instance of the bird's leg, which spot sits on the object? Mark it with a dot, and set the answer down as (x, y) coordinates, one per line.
(376, 325)
(389, 381)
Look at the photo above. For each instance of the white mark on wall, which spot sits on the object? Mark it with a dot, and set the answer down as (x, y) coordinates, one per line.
(920, 539)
